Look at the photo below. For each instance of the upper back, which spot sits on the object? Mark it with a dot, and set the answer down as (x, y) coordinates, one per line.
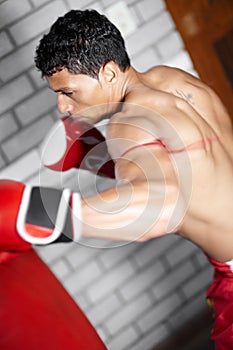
(189, 88)
(175, 104)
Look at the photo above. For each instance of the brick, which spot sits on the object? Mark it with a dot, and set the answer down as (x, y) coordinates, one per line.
(180, 252)
(82, 301)
(146, 60)
(51, 253)
(187, 312)
(158, 313)
(173, 280)
(27, 138)
(102, 333)
(38, 3)
(182, 60)
(202, 259)
(2, 162)
(12, 10)
(73, 4)
(36, 23)
(149, 33)
(83, 277)
(107, 3)
(153, 249)
(135, 15)
(142, 280)
(17, 62)
(170, 45)
(96, 5)
(113, 256)
(149, 340)
(8, 126)
(13, 92)
(114, 13)
(110, 281)
(60, 269)
(5, 44)
(22, 168)
(36, 106)
(150, 8)
(81, 255)
(199, 282)
(129, 2)
(128, 314)
(36, 78)
(123, 340)
(103, 310)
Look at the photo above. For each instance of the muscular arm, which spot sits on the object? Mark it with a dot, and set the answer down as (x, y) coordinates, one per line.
(143, 204)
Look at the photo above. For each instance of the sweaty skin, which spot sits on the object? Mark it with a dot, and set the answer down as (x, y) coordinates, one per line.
(171, 139)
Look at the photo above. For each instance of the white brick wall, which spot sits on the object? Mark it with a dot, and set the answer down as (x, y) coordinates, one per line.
(5, 44)
(38, 22)
(13, 10)
(13, 92)
(36, 106)
(18, 62)
(135, 294)
(27, 138)
(8, 125)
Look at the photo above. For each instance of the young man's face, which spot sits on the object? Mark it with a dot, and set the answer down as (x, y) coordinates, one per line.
(80, 95)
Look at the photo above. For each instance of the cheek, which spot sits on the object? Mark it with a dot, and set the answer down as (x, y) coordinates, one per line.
(96, 96)
(106, 95)
(92, 94)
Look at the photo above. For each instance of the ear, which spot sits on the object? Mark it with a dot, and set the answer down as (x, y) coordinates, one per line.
(109, 73)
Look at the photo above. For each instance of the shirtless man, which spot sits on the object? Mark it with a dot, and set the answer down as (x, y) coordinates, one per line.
(168, 134)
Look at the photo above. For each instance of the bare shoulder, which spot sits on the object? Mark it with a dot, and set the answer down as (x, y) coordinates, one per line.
(165, 75)
(201, 97)
(180, 83)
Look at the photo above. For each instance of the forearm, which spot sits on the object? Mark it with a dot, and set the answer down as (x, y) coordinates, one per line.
(128, 212)
(141, 206)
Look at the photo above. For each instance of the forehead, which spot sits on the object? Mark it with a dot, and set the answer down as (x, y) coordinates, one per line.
(65, 80)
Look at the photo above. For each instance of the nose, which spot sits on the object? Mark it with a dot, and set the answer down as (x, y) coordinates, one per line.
(64, 105)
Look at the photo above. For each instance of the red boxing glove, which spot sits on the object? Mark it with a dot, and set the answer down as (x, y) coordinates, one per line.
(11, 194)
(76, 144)
(37, 215)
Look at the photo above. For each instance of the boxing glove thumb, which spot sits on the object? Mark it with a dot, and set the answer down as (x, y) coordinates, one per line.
(72, 143)
(61, 149)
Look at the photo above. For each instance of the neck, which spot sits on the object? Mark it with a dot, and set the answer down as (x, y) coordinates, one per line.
(127, 81)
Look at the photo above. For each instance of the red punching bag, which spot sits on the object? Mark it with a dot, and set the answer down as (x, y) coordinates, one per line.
(36, 312)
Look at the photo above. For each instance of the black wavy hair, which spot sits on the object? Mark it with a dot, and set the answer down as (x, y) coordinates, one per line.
(82, 42)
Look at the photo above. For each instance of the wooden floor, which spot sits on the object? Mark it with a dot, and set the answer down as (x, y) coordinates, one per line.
(194, 336)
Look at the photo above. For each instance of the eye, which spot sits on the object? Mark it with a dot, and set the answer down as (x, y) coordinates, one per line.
(67, 93)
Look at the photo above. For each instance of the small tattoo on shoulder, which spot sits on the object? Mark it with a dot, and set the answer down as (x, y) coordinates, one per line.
(186, 96)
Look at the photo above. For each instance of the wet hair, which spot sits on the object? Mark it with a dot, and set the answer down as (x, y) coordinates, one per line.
(82, 42)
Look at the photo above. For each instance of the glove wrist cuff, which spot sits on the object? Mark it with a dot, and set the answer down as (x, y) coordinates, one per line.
(43, 214)
(76, 215)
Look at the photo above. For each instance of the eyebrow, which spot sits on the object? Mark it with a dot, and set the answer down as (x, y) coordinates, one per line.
(61, 89)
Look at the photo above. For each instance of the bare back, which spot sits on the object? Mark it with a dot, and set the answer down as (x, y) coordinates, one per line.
(179, 104)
